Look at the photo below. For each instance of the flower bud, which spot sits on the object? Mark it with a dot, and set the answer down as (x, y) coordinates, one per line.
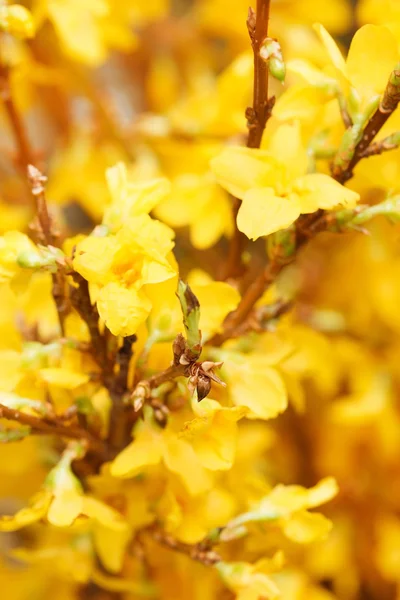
(270, 51)
(203, 386)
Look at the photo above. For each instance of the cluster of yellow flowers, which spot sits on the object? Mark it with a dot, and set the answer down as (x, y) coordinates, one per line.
(176, 397)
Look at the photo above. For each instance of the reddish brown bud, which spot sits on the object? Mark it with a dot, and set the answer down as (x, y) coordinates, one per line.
(203, 386)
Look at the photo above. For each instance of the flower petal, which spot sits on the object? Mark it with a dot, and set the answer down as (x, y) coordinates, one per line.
(317, 190)
(372, 56)
(144, 451)
(28, 515)
(286, 144)
(262, 212)
(305, 527)
(122, 309)
(331, 47)
(239, 169)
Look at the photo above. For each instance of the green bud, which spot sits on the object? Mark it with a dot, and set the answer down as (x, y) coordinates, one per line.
(389, 208)
(14, 435)
(84, 405)
(18, 403)
(232, 533)
(32, 260)
(282, 244)
(61, 476)
(277, 69)
(45, 258)
(191, 317)
(271, 52)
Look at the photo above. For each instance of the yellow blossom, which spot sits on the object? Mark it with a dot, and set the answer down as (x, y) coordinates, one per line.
(153, 445)
(247, 582)
(273, 186)
(120, 264)
(254, 382)
(88, 31)
(287, 506)
(17, 20)
(372, 55)
(212, 433)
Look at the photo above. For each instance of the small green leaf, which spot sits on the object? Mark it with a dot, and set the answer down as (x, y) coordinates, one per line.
(191, 317)
(18, 402)
(14, 435)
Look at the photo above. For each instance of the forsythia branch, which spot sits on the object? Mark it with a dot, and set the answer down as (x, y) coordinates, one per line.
(25, 154)
(389, 143)
(389, 102)
(198, 552)
(80, 300)
(257, 117)
(45, 427)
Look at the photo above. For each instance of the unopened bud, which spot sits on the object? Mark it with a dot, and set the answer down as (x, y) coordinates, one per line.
(271, 52)
(277, 69)
(178, 347)
(161, 413)
(203, 386)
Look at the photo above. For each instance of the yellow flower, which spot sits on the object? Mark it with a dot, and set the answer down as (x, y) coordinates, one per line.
(196, 199)
(82, 155)
(286, 507)
(247, 582)
(36, 510)
(17, 20)
(120, 264)
(372, 55)
(213, 432)
(129, 198)
(217, 109)
(191, 519)
(273, 186)
(88, 30)
(382, 12)
(15, 250)
(254, 382)
(153, 445)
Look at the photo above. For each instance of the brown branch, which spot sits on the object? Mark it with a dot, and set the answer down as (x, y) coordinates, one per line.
(80, 300)
(279, 260)
(45, 229)
(388, 103)
(168, 375)
(259, 113)
(53, 427)
(257, 117)
(234, 266)
(198, 552)
(260, 317)
(379, 147)
(25, 154)
(120, 423)
(246, 305)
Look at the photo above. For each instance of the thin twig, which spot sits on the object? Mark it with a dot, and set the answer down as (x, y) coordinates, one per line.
(389, 102)
(257, 117)
(246, 305)
(197, 552)
(234, 321)
(259, 113)
(25, 154)
(120, 424)
(379, 147)
(45, 229)
(41, 426)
